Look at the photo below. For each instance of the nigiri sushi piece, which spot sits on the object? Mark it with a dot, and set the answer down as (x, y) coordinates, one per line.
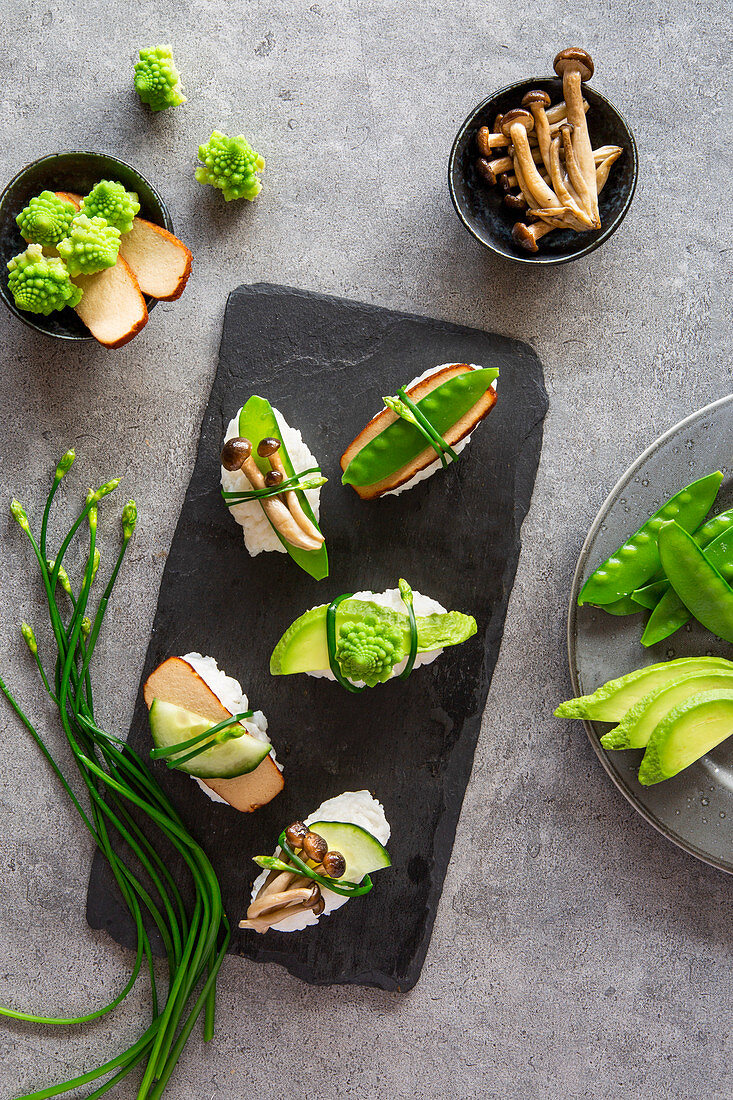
(271, 484)
(319, 864)
(423, 428)
(367, 638)
(201, 724)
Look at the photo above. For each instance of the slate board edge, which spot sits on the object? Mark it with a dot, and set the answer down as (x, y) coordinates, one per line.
(458, 773)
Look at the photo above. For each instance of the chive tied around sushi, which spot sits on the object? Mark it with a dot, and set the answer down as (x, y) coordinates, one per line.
(420, 430)
(319, 864)
(370, 637)
(271, 483)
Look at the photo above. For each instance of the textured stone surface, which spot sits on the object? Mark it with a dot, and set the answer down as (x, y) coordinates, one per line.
(576, 954)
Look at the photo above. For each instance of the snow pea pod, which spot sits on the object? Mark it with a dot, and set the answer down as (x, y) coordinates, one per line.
(650, 594)
(671, 613)
(627, 605)
(637, 560)
(700, 586)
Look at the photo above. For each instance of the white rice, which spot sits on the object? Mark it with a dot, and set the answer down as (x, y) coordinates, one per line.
(258, 533)
(423, 475)
(357, 807)
(423, 605)
(229, 693)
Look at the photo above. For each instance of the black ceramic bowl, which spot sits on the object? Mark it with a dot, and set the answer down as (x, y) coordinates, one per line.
(481, 208)
(77, 172)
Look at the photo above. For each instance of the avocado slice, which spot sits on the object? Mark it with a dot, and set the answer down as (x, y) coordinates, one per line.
(362, 851)
(687, 733)
(635, 729)
(303, 646)
(171, 725)
(612, 700)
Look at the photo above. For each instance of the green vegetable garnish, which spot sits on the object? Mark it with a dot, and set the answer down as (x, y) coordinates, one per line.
(41, 284)
(46, 219)
(91, 245)
(113, 202)
(223, 731)
(116, 782)
(405, 408)
(230, 164)
(368, 651)
(301, 482)
(637, 560)
(699, 585)
(157, 80)
(407, 599)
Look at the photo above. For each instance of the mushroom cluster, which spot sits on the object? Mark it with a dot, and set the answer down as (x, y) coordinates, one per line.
(284, 510)
(542, 157)
(287, 894)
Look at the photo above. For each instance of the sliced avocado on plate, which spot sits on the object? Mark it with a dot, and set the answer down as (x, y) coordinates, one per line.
(611, 701)
(687, 733)
(635, 729)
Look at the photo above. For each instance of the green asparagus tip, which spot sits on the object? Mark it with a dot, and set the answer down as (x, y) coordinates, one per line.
(405, 591)
(129, 519)
(30, 638)
(65, 464)
(18, 513)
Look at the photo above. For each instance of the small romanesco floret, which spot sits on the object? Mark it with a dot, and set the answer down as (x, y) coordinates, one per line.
(230, 164)
(46, 219)
(41, 283)
(111, 201)
(368, 651)
(157, 80)
(91, 245)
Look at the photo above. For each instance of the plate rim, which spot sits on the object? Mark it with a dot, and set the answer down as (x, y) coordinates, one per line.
(618, 782)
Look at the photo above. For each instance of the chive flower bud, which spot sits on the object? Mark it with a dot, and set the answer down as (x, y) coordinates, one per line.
(95, 561)
(400, 409)
(18, 513)
(65, 464)
(86, 626)
(108, 487)
(405, 592)
(30, 638)
(129, 519)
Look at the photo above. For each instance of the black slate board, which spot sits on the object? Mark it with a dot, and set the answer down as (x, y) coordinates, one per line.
(325, 363)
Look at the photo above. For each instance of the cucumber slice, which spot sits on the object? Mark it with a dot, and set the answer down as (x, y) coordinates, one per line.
(612, 700)
(686, 734)
(171, 725)
(635, 729)
(362, 851)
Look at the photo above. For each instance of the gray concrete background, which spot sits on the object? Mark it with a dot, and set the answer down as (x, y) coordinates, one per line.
(576, 953)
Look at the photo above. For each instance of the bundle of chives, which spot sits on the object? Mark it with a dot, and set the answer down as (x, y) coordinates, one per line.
(116, 782)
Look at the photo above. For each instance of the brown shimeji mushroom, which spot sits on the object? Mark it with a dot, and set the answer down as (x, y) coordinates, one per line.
(237, 455)
(527, 236)
(561, 189)
(575, 66)
(516, 125)
(537, 102)
(270, 448)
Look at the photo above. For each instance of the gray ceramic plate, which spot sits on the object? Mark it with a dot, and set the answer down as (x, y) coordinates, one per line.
(695, 809)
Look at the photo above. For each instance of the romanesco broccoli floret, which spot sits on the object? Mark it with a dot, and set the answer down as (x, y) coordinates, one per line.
(157, 80)
(230, 164)
(41, 283)
(90, 245)
(46, 219)
(368, 650)
(111, 201)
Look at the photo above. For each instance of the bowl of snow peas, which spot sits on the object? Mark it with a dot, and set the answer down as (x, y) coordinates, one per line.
(76, 172)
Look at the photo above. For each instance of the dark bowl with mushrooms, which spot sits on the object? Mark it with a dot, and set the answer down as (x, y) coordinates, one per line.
(77, 172)
(481, 207)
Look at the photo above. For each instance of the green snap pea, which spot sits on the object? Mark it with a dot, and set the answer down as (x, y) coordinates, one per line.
(650, 594)
(625, 606)
(637, 560)
(697, 582)
(671, 613)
